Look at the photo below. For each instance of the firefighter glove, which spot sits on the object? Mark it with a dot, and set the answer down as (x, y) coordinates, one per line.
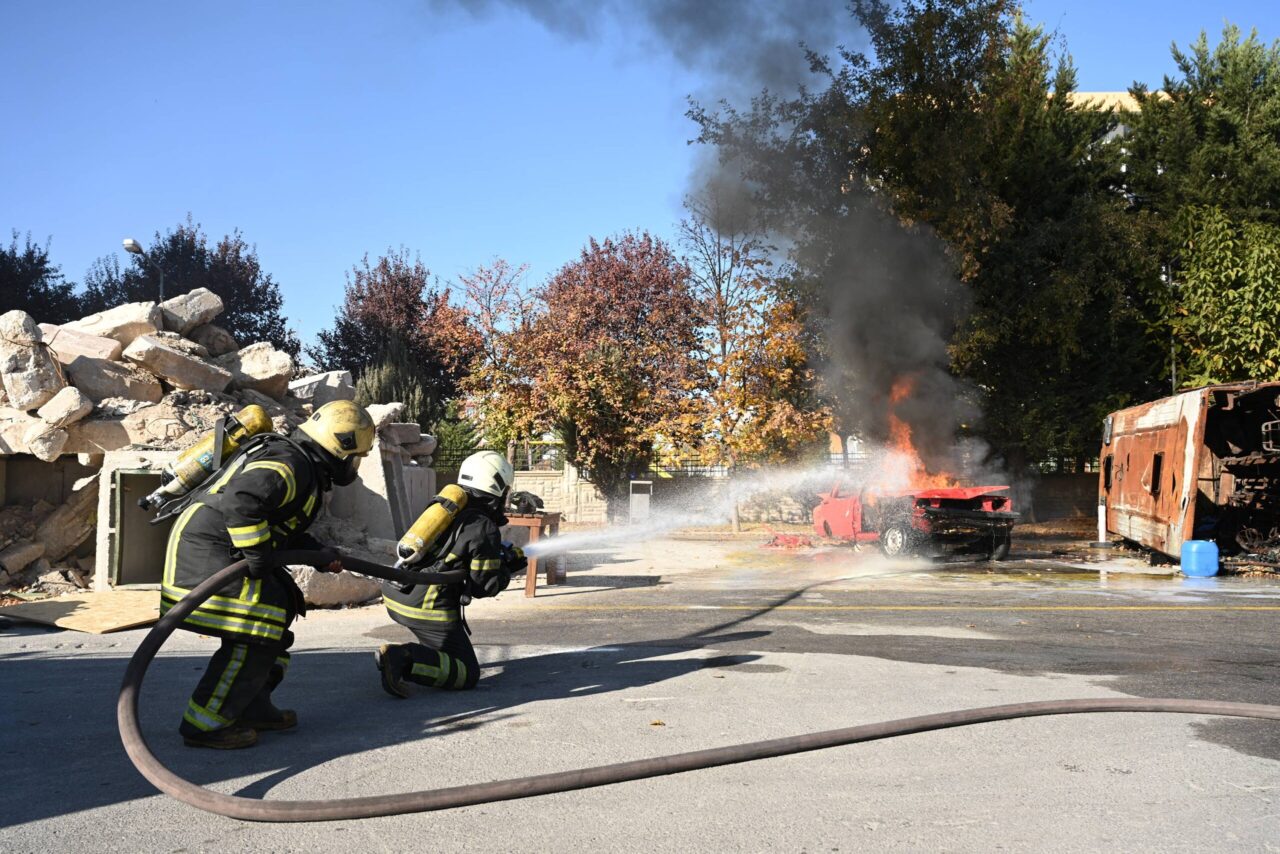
(259, 563)
(329, 560)
(493, 583)
(513, 559)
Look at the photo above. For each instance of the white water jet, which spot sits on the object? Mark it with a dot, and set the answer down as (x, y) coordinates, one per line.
(883, 470)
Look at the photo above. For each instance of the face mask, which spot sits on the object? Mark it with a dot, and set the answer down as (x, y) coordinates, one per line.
(344, 473)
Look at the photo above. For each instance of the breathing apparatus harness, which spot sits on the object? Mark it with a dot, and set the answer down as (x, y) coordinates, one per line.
(177, 505)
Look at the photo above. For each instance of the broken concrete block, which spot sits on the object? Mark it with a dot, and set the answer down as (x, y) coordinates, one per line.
(92, 461)
(260, 367)
(424, 446)
(67, 345)
(39, 567)
(71, 524)
(215, 339)
(13, 426)
(44, 440)
(174, 366)
(124, 323)
(67, 407)
(177, 342)
(402, 433)
(27, 370)
(187, 311)
(19, 329)
(18, 556)
(319, 389)
(384, 413)
(159, 424)
(101, 379)
(329, 589)
(118, 407)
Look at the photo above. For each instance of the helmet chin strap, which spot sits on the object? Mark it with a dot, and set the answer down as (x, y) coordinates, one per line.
(327, 466)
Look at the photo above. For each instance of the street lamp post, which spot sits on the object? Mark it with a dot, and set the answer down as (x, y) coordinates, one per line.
(131, 245)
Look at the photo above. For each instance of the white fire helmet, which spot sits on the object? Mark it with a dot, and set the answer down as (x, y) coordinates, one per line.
(486, 471)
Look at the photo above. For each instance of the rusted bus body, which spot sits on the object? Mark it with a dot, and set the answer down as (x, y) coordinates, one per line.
(1203, 464)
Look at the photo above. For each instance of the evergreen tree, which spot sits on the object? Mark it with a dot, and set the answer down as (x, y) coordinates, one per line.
(1204, 171)
(392, 379)
(456, 438)
(251, 299)
(30, 282)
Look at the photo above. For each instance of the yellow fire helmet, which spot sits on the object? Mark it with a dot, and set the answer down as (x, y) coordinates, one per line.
(342, 428)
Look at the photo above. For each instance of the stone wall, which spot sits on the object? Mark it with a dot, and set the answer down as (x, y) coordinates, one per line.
(566, 493)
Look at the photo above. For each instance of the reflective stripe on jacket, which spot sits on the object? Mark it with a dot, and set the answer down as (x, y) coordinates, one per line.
(263, 500)
(473, 541)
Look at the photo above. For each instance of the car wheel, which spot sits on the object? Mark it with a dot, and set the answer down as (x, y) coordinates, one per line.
(895, 541)
(1001, 551)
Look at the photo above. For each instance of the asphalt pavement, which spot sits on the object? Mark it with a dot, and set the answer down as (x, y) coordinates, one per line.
(674, 645)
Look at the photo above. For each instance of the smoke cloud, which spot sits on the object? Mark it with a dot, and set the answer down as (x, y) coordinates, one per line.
(751, 44)
(887, 292)
(891, 306)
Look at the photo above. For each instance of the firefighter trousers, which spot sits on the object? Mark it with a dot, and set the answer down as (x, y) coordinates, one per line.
(442, 658)
(237, 684)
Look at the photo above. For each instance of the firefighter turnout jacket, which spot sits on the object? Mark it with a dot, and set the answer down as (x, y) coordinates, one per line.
(473, 541)
(262, 500)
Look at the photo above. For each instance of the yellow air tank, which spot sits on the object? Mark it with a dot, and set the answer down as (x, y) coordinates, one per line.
(194, 465)
(430, 525)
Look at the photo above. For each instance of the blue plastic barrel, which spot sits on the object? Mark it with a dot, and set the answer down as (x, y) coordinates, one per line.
(1199, 558)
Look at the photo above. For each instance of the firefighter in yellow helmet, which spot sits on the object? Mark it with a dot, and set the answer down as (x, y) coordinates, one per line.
(261, 500)
(443, 657)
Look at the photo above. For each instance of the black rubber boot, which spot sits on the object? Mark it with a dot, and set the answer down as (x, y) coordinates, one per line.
(233, 737)
(269, 718)
(392, 663)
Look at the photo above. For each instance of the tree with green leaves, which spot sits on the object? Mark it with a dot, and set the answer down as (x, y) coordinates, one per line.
(1204, 171)
(394, 379)
(251, 299)
(30, 282)
(456, 437)
(1228, 311)
(959, 124)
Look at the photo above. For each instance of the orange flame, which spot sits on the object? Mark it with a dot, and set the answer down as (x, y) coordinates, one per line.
(904, 467)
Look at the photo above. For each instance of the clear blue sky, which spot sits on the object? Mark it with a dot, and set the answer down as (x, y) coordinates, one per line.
(324, 130)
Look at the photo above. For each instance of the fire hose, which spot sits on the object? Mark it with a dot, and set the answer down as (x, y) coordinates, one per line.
(250, 809)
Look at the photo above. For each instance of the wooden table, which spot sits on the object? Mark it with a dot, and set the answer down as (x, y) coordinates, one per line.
(539, 524)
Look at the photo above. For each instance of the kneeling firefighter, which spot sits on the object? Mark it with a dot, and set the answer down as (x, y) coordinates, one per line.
(443, 656)
(261, 500)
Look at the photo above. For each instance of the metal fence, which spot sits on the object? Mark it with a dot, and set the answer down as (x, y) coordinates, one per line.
(531, 456)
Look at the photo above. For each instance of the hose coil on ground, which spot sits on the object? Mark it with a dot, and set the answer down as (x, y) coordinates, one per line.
(249, 809)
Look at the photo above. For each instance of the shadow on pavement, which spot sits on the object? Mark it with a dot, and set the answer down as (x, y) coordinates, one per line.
(61, 739)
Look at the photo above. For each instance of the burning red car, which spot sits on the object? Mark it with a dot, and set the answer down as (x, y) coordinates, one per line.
(971, 519)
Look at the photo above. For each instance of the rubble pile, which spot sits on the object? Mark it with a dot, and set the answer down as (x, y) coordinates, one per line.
(144, 374)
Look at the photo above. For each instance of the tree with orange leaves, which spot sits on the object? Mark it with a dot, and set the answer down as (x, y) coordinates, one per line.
(497, 382)
(759, 404)
(610, 356)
